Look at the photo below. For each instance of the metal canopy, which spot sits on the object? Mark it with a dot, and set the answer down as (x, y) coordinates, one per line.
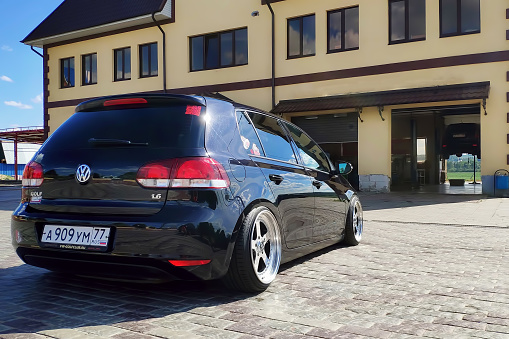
(32, 135)
(478, 90)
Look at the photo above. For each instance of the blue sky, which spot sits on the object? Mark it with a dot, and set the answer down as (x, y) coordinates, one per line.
(20, 68)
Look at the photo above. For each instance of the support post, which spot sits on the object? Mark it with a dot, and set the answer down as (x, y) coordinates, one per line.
(16, 157)
(413, 129)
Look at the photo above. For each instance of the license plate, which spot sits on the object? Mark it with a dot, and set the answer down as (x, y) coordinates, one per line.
(76, 237)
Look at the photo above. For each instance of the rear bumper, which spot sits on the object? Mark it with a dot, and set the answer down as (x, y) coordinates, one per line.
(111, 267)
(140, 247)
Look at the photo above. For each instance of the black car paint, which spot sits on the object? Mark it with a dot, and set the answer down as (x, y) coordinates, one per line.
(189, 223)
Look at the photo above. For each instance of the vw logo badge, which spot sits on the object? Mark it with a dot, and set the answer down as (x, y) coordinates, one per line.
(83, 174)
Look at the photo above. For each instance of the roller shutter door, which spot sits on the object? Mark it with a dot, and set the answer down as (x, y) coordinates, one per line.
(330, 128)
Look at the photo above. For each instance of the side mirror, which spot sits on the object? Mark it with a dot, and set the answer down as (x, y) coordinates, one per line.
(344, 168)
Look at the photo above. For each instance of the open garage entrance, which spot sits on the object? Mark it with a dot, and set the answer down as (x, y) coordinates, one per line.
(433, 149)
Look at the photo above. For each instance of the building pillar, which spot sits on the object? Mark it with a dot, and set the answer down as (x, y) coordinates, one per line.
(375, 150)
(494, 137)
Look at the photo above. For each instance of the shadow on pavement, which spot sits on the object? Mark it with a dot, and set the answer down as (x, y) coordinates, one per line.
(34, 300)
(380, 201)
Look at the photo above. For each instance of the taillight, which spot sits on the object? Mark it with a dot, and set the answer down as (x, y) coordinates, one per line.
(444, 146)
(155, 175)
(184, 173)
(33, 175)
(199, 172)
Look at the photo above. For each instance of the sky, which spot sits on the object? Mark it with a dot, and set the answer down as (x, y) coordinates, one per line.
(21, 101)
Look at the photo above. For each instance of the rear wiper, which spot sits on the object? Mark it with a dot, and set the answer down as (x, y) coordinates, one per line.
(115, 142)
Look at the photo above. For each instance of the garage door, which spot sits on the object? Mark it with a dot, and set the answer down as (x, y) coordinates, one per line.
(330, 128)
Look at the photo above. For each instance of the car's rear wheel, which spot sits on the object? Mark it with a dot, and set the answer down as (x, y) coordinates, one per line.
(257, 254)
(354, 223)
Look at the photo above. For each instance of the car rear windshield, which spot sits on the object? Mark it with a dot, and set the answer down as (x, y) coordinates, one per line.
(167, 126)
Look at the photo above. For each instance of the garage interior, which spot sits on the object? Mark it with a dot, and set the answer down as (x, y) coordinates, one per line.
(417, 162)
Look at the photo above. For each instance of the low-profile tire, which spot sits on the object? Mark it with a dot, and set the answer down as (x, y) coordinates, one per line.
(354, 223)
(257, 253)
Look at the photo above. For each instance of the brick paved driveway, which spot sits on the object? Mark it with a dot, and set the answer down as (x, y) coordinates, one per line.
(405, 280)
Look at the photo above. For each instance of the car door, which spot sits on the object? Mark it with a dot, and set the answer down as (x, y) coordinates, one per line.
(331, 203)
(289, 181)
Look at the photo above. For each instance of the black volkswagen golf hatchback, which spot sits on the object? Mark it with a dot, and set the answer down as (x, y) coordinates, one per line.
(163, 187)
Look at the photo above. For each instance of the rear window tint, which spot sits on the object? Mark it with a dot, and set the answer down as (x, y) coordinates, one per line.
(158, 127)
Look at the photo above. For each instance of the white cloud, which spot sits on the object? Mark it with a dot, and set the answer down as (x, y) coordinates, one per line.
(7, 48)
(17, 104)
(37, 99)
(5, 78)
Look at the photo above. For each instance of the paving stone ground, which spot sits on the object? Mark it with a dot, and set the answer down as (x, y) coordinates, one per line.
(412, 276)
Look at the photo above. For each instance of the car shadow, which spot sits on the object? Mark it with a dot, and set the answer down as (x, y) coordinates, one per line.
(311, 256)
(381, 201)
(34, 299)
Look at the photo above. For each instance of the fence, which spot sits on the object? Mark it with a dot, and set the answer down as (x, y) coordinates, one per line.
(8, 169)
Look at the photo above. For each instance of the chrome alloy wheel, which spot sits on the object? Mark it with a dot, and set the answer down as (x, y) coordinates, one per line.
(358, 220)
(265, 247)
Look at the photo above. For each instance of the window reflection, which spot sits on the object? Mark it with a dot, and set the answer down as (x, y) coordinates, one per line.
(217, 50)
(398, 21)
(67, 72)
(148, 60)
(407, 20)
(308, 41)
(301, 36)
(460, 17)
(470, 16)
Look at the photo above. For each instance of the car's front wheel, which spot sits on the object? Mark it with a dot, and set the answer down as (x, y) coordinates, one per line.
(257, 254)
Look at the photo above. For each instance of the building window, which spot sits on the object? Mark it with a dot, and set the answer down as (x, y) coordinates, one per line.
(67, 72)
(122, 58)
(148, 60)
(89, 69)
(407, 20)
(301, 36)
(224, 49)
(343, 29)
(458, 17)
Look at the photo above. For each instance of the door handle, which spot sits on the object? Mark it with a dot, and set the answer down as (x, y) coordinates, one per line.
(317, 184)
(276, 178)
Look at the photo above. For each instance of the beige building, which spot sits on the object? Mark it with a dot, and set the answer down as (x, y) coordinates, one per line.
(375, 82)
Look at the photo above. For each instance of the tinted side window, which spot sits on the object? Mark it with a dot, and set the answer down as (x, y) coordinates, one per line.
(311, 154)
(248, 135)
(273, 138)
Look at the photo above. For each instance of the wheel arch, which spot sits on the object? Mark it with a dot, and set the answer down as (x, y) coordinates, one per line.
(252, 205)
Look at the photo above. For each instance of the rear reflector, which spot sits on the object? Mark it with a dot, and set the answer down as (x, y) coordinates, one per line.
(196, 172)
(182, 263)
(33, 175)
(126, 101)
(474, 145)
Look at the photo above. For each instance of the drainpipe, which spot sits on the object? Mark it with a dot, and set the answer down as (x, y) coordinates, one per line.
(273, 55)
(164, 51)
(32, 48)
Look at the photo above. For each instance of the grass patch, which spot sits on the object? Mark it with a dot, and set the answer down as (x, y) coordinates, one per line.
(467, 176)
